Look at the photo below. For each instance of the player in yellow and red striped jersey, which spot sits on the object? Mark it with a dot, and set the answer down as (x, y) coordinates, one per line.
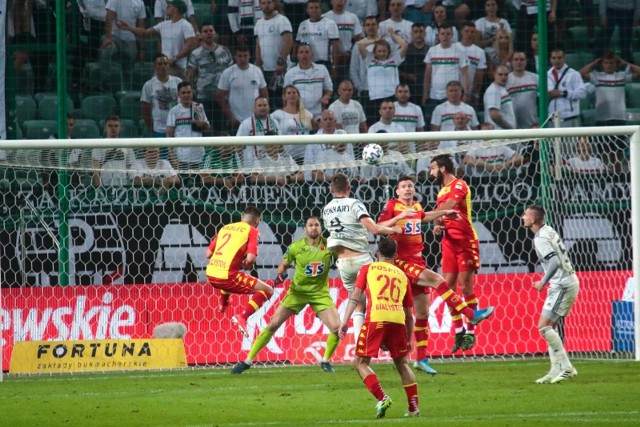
(460, 247)
(388, 322)
(408, 213)
(235, 248)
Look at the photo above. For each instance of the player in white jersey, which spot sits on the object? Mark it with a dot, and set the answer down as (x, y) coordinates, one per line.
(563, 290)
(349, 222)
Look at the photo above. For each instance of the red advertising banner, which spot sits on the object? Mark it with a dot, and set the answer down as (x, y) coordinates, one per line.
(132, 311)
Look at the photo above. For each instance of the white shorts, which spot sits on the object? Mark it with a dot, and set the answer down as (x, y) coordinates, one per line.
(349, 267)
(559, 301)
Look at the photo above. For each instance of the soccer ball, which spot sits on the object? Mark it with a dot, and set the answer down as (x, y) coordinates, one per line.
(372, 154)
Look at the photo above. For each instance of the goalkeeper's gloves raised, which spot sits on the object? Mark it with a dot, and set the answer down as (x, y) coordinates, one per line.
(280, 279)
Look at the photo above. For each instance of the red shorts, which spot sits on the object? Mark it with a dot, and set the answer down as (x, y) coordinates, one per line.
(412, 267)
(460, 255)
(237, 283)
(375, 334)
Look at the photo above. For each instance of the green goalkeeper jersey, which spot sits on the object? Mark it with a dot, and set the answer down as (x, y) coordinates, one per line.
(312, 263)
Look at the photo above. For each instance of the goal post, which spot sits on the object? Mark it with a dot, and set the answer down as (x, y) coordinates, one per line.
(136, 252)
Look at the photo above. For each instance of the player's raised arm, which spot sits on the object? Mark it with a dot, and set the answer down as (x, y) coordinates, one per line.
(393, 221)
(379, 229)
(439, 213)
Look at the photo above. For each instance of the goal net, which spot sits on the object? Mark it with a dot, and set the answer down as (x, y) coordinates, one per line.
(106, 240)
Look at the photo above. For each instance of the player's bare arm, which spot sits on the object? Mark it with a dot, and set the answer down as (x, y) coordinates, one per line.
(404, 214)
(249, 260)
(379, 229)
(283, 267)
(439, 213)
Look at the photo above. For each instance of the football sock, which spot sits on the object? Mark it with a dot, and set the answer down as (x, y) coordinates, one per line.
(255, 303)
(412, 396)
(261, 341)
(373, 385)
(555, 343)
(454, 302)
(421, 333)
(457, 323)
(332, 343)
(358, 321)
(555, 366)
(472, 303)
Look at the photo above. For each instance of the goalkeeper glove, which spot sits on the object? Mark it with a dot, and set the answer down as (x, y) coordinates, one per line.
(280, 279)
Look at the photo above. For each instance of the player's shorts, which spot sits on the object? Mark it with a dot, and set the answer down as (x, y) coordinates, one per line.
(412, 267)
(460, 255)
(349, 267)
(559, 301)
(237, 283)
(375, 334)
(296, 301)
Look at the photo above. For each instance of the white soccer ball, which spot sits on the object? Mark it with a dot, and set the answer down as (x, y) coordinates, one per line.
(372, 154)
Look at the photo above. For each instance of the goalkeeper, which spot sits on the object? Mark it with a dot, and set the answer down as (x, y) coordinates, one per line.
(310, 285)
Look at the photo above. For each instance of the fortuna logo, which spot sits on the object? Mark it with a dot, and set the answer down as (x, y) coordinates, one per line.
(83, 351)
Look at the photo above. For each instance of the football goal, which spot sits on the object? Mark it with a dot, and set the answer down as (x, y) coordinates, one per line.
(106, 239)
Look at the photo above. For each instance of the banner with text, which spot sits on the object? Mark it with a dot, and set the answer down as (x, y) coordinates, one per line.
(45, 357)
(53, 316)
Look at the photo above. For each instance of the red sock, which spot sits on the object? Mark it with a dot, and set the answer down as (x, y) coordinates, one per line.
(256, 301)
(454, 302)
(412, 396)
(421, 332)
(373, 385)
(472, 303)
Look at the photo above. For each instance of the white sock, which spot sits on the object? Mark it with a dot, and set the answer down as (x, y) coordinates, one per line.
(358, 321)
(555, 366)
(556, 346)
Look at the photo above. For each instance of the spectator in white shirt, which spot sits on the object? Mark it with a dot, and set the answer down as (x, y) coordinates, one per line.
(322, 35)
(159, 95)
(491, 161)
(176, 35)
(610, 87)
(238, 87)
(408, 115)
(584, 161)
(154, 172)
(275, 157)
(443, 63)
(522, 86)
(312, 80)
(443, 115)
(186, 120)
(111, 165)
(119, 43)
(498, 107)
(348, 112)
(489, 24)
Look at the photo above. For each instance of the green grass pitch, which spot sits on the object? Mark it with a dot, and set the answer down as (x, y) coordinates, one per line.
(462, 394)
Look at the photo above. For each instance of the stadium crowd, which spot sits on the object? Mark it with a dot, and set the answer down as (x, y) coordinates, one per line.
(293, 68)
